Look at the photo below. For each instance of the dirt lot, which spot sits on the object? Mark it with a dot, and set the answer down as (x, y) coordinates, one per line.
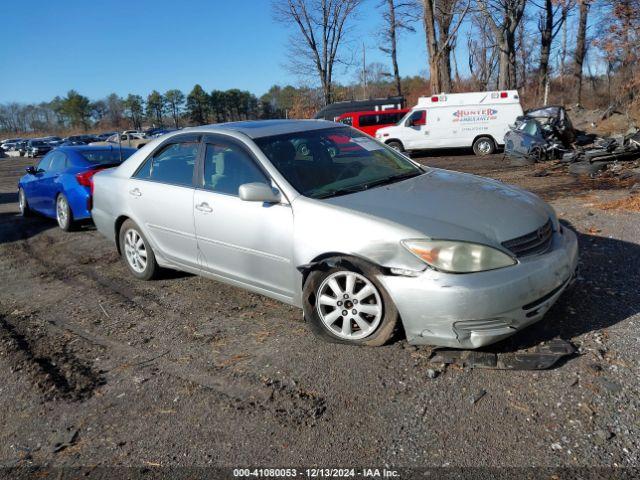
(98, 369)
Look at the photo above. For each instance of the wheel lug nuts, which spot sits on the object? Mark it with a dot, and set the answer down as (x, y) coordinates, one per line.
(354, 311)
(355, 301)
(345, 295)
(339, 303)
(344, 313)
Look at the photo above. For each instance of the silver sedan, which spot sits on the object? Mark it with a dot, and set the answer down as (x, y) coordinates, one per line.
(323, 217)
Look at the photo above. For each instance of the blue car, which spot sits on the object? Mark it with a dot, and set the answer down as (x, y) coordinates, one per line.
(61, 185)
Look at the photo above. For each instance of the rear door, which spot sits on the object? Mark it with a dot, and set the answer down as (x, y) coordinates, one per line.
(247, 242)
(161, 198)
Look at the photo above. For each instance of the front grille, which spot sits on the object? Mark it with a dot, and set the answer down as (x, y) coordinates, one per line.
(532, 243)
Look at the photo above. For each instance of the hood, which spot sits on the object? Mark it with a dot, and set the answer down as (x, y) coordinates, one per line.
(447, 205)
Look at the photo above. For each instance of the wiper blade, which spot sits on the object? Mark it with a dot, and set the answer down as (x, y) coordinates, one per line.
(393, 179)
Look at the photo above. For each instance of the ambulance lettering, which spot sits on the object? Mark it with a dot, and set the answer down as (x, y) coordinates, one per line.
(475, 115)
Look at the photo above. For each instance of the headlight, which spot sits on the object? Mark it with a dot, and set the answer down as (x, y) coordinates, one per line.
(458, 257)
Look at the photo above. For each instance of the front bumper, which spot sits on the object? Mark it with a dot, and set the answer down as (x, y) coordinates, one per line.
(477, 309)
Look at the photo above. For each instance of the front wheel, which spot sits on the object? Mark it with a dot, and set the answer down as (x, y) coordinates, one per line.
(64, 215)
(397, 146)
(484, 146)
(23, 204)
(137, 252)
(346, 304)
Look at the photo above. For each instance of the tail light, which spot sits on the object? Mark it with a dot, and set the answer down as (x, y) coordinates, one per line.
(86, 178)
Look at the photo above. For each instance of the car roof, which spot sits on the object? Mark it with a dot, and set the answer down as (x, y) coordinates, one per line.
(89, 148)
(265, 128)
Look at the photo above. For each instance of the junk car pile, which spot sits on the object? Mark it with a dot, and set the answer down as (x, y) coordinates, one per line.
(547, 134)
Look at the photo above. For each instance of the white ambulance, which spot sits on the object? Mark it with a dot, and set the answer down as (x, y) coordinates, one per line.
(477, 119)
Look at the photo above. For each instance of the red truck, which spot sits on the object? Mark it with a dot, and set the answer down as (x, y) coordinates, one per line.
(369, 122)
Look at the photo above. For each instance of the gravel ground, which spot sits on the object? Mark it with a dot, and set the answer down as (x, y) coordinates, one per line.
(98, 369)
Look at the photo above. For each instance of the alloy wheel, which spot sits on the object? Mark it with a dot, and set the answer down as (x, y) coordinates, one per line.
(349, 305)
(135, 250)
(22, 202)
(484, 147)
(62, 211)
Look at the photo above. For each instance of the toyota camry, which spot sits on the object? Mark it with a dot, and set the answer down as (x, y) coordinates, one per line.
(323, 217)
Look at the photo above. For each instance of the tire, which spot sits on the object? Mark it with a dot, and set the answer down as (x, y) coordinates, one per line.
(373, 328)
(23, 204)
(396, 145)
(130, 235)
(484, 146)
(587, 168)
(64, 215)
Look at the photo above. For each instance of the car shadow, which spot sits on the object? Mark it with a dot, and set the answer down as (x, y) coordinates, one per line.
(606, 292)
(13, 227)
(8, 197)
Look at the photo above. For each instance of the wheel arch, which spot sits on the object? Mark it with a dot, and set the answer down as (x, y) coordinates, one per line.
(388, 140)
(484, 135)
(116, 233)
(328, 260)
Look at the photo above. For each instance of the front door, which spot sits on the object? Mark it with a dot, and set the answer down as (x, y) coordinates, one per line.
(161, 194)
(247, 242)
(415, 134)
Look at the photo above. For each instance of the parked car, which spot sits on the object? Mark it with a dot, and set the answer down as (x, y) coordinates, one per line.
(332, 111)
(103, 136)
(21, 147)
(371, 121)
(37, 147)
(53, 141)
(360, 239)
(130, 140)
(60, 185)
(477, 120)
(9, 144)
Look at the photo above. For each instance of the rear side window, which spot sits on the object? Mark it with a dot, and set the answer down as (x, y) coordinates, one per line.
(173, 164)
(107, 157)
(226, 167)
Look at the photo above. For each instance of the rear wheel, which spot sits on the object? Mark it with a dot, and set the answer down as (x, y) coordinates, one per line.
(346, 304)
(23, 204)
(137, 252)
(64, 215)
(484, 146)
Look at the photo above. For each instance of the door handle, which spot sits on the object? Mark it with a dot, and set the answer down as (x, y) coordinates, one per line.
(204, 207)
(135, 192)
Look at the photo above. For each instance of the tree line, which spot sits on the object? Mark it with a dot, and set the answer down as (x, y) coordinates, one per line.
(170, 109)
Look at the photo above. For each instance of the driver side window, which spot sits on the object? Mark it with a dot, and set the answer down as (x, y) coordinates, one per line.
(418, 117)
(226, 167)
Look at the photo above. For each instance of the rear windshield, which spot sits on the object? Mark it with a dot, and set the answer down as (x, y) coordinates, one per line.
(106, 157)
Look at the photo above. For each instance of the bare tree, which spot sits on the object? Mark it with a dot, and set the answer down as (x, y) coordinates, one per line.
(323, 26)
(503, 16)
(581, 45)
(442, 19)
(483, 56)
(554, 15)
(397, 16)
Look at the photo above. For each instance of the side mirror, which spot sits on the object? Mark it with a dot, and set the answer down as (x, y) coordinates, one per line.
(31, 170)
(259, 192)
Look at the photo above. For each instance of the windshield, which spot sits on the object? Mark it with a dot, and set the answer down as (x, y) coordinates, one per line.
(335, 161)
(106, 157)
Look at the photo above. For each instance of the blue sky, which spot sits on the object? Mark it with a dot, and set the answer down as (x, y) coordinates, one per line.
(49, 47)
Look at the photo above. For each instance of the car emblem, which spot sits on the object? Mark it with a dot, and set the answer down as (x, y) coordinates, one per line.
(540, 232)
